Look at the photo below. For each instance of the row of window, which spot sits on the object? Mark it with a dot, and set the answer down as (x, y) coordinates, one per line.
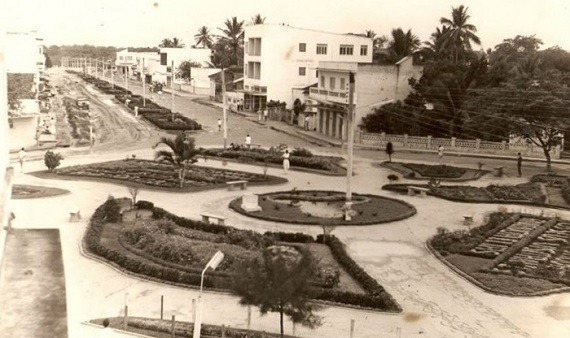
(343, 49)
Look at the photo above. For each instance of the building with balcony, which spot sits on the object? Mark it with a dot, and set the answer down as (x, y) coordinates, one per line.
(280, 62)
(375, 85)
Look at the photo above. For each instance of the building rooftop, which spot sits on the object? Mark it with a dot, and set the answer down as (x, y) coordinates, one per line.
(309, 30)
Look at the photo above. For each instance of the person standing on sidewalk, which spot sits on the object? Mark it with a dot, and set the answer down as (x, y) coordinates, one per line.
(307, 119)
(248, 141)
(286, 161)
(219, 125)
(22, 158)
(440, 154)
(519, 164)
(265, 113)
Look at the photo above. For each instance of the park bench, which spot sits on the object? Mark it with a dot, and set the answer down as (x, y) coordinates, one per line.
(232, 184)
(206, 218)
(74, 215)
(467, 219)
(412, 190)
(499, 171)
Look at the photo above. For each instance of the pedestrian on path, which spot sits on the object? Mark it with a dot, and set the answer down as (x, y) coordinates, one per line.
(22, 158)
(259, 113)
(519, 164)
(265, 114)
(286, 161)
(248, 141)
(440, 154)
(219, 125)
(307, 119)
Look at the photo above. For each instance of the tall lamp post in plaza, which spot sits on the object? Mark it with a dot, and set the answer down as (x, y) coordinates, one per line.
(213, 263)
(350, 145)
(172, 87)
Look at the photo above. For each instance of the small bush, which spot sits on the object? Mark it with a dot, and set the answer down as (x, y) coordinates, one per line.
(301, 152)
(146, 205)
(393, 178)
(52, 160)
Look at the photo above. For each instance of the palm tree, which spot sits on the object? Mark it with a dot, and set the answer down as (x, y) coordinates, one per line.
(461, 33)
(174, 43)
(183, 152)
(402, 44)
(437, 39)
(257, 20)
(233, 38)
(203, 37)
(370, 34)
(166, 43)
(177, 43)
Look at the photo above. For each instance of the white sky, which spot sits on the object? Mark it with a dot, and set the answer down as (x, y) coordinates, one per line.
(140, 23)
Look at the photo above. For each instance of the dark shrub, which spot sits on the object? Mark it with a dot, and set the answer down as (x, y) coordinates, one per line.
(146, 205)
(302, 152)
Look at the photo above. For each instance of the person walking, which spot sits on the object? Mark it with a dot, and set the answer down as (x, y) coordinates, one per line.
(265, 114)
(248, 141)
(519, 164)
(440, 154)
(219, 125)
(286, 161)
(22, 158)
(307, 119)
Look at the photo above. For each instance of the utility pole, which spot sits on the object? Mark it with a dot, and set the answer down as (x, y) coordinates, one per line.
(143, 83)
(350, 145)
(172, 88)
(224, 112)
(126, 77)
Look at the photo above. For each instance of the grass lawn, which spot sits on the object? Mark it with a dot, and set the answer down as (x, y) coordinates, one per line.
(159, 176)
(34, 191)
(318, 207)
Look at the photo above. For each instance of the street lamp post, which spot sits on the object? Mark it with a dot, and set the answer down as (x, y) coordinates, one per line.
(213, 263)
(350, 144)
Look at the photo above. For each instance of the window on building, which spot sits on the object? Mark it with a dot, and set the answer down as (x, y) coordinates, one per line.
(254, 70)
(129, 58)
(120, 57)
(363, 50)
(302, 47)
(342, 83)
(302, 71)
(322, 81)
(317, 74)
(346, 49)
(163, 59)
(322, 48)
(254, 46)
(332, 83)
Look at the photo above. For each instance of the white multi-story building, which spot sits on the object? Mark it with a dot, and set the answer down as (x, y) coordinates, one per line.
(375, 85)
(279, 60)
(24, 62)
(176, 56)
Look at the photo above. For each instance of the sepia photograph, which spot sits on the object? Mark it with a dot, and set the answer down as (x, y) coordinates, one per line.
(284, 169)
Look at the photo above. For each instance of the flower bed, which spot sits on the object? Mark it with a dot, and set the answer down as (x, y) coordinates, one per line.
(323, 164)
(33, 191)
(159, 175)
(531, 252)
(287, 207)
(437, 171)
(429, 171)
(99, 240)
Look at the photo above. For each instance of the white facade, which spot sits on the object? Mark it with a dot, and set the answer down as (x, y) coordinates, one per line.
(279, 59)
(168, 56)
(375, 85)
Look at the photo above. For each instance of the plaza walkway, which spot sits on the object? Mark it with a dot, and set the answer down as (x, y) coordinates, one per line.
(436, 302)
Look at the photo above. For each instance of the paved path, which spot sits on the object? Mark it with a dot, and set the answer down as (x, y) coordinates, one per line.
(436, 302)
(32, 286)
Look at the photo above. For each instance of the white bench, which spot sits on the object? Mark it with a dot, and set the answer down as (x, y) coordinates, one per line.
(74, 215)
(206, 218)
(413, 190)
(232, 184)
(467, 219)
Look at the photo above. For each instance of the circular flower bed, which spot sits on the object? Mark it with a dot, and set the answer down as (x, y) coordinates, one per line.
(326, 208)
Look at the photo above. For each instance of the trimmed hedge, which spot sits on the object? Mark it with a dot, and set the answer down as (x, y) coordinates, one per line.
(376, 296)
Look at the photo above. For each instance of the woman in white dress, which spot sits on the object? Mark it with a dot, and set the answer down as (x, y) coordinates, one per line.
(286, 161)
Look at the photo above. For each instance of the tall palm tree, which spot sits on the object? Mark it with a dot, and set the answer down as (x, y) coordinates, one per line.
(437, 39)
(257, 19)
(166, 43)
(461, 33)
(370, 34)
(233, 38)
(182, 152)
(402, 44)
(203, 37)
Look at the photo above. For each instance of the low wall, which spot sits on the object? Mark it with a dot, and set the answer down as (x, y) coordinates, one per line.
(452, 145)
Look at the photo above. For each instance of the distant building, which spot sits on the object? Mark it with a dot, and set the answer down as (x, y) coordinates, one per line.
(234, 85)
(375, 85)
(168, 56)
(280, 62)
(25, 62)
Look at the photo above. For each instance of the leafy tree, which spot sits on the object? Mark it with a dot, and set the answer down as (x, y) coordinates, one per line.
(184, 71)
(203, 37)
(257, 19)
(279, 283)
(48, 63)
(402, 44)
(20, 87)
(460, 34)
(389, 150)
(233, 39)
(52, 160)
(182, 152)
(174, 43)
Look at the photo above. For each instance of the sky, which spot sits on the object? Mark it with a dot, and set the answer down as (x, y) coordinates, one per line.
(142, 23)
